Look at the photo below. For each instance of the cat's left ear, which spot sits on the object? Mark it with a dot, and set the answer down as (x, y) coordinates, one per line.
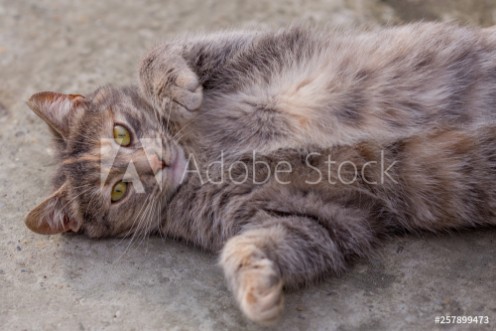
(52, 215)
(57, 109)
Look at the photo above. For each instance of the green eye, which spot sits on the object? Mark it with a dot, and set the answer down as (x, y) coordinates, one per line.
(118, 191)
(122, 135)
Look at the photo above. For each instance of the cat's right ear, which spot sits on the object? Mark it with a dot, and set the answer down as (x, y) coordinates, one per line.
(57, 109)
(53, 215)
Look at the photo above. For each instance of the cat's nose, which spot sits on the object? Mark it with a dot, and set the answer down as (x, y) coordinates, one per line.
(156, 163)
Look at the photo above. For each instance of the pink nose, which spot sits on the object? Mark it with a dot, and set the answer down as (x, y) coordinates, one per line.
(156, 163)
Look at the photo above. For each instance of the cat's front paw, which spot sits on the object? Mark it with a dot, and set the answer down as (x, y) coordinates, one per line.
(184, 89)
(254, 281)
(259, 293)
(166, 77)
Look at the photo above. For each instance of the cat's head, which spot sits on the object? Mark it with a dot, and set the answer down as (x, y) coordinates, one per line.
(118, 164)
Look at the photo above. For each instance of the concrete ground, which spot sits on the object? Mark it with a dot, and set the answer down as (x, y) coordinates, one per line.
(72, 283)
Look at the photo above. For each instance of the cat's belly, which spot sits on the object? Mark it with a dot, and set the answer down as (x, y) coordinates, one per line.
(240, 125)
(338, 98)
(241, 122)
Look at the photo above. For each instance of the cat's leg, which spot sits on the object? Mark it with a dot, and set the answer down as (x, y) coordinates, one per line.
(222, 63)
(176, 71)
(289, 251)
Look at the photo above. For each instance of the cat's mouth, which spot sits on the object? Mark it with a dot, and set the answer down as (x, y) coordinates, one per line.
(177, 170)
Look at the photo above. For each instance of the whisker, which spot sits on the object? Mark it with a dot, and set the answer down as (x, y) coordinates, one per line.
(137, 218)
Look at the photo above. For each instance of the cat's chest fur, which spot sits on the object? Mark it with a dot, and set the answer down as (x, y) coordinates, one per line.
(236, 126)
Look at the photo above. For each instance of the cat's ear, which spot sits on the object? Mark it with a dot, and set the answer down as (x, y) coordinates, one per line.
(52, 216)
(57, 109)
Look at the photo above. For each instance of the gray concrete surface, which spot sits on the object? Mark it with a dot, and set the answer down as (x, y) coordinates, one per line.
(72, 283)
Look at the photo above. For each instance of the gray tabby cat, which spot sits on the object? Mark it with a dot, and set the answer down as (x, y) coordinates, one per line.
(292, 152)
